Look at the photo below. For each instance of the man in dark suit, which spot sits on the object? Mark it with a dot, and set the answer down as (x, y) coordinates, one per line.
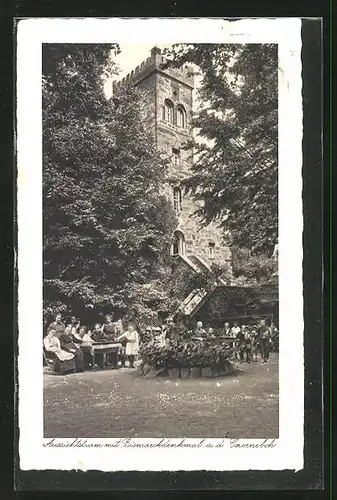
(264, 339)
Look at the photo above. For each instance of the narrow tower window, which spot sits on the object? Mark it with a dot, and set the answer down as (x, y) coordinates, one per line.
(181, 117)
(211, 246)
(175, 91)
(168, 115)
(177, 200)
(175, 156)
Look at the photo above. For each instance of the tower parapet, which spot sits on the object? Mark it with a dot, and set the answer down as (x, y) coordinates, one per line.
(156, 62)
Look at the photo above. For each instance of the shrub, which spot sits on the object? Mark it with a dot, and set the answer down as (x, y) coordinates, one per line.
(185, 350)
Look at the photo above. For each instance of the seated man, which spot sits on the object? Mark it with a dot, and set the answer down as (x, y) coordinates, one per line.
(97, 334)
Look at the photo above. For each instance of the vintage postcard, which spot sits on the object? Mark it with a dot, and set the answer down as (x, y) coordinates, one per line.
(160, 301)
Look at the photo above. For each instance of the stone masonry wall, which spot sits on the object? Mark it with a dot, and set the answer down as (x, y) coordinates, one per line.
(176, 86)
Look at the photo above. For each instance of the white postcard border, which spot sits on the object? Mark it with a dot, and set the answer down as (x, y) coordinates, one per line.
(287, 452)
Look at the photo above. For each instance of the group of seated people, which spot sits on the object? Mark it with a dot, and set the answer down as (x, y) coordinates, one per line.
(72, 344)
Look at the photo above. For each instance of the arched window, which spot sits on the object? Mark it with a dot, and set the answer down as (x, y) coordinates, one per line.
(178, 247)
(181, 117)
(168, 111)
(177, 199)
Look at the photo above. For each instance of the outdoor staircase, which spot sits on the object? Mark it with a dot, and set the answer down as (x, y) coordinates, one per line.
(198, 265)
(202, 266)
(191, 301)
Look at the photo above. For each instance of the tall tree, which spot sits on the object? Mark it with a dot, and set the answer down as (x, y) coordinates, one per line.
(107, 228)
(235, 172)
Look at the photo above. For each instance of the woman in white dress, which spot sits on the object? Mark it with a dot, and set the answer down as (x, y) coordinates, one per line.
(65, 360)
(132, 343)
(52, 344)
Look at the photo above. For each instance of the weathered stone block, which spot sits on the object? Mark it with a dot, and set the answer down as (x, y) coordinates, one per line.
(215, 370)
(206, 371)
(195, 372)
(174, 372)
(184, 373)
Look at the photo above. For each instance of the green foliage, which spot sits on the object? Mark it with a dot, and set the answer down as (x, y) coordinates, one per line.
(181, 282)
(235, 173)
(107, 228)
(252, 269)
(184, 280)
(185, 351)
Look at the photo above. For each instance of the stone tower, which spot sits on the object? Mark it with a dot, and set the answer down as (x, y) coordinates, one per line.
(168, 95)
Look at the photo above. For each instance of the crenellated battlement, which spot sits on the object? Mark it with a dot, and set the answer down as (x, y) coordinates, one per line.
(156, 62)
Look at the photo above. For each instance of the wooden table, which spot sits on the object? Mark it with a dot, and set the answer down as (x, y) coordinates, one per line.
(103, 348)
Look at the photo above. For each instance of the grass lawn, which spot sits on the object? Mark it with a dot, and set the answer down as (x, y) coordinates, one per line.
(108, 404)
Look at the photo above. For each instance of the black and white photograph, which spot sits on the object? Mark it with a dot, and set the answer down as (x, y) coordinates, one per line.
(162, 169)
